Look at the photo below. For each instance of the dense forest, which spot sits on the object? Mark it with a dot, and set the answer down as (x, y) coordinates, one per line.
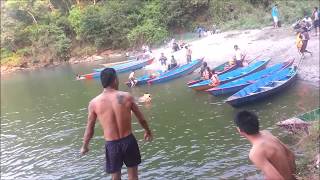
(45, 31)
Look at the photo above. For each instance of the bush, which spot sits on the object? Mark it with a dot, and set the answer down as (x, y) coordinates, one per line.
(49, 39)
(149, 32)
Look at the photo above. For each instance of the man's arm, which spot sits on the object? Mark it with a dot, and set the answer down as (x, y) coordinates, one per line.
(141, 119)
(261, 162)
(290, 155)
(92, 116)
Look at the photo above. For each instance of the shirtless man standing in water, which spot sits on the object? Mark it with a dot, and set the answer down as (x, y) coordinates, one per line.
(113, 109)
(268, 153)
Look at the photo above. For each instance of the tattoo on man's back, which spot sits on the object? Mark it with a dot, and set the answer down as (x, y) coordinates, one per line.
(120, 98)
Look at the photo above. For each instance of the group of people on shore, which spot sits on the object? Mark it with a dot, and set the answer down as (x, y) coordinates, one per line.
(303, 28)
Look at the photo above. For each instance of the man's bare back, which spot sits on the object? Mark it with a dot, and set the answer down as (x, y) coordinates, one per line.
(268, 153)
(113, 109)
(268, 149)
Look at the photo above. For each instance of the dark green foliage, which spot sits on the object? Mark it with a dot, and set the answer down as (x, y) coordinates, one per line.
(50, 27)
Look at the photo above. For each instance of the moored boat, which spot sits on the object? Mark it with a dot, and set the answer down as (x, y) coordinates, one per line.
(119, 69)
(264, 87)
(232, 75)
(130, 66)
(238, 84)
(177, 72)
(221, 69)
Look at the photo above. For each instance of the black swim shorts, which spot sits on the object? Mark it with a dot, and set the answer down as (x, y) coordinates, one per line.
(125, 150)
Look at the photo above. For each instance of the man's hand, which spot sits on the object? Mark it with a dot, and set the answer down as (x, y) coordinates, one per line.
(84, 149)
(148, 136)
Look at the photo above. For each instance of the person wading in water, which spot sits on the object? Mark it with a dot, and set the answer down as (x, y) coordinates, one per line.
(113, 109)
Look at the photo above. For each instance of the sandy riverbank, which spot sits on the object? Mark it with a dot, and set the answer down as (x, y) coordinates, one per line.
(278, 44)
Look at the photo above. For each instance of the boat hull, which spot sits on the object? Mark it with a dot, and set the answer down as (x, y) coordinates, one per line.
(206, 85)
(249, 79)
(176, 73)
(236, 102)
(197, 80)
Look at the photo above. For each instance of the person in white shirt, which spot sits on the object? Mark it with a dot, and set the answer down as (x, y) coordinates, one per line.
(238, 57)
(132, 79)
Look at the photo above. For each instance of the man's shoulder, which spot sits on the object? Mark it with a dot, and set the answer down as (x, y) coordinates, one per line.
(257, 150)
(124, 94)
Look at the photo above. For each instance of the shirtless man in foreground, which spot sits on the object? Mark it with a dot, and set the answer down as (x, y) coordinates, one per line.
(113, 109)
(268, 153)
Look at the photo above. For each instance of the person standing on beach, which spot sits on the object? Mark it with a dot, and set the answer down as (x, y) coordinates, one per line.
(163, 60)
(275, 15)
(238, 56)
(267, 153)
(305, 38)
(188, 54)
(113, 109)
(316, 23)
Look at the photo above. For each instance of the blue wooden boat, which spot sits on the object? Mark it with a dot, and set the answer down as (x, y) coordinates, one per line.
(119, 68)
(232, 75)
(238, 84)
(130, 66)
(265, 87)
(144, 79)
(221, 69)
(178, 72)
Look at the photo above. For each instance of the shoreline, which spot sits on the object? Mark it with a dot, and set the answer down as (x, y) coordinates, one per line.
(278, 44)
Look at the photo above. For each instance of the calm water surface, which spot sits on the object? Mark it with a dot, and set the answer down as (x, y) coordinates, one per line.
(43, 117)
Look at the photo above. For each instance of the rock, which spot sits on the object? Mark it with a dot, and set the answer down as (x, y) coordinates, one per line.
(24, 65)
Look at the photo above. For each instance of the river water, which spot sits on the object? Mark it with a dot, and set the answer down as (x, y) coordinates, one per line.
(43, 117)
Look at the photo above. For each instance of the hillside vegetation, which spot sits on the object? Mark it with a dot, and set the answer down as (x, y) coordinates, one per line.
(47, 31)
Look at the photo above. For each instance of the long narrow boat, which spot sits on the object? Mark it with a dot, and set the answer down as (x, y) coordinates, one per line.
(238, 84)
(119, 69)
(178, 72)
(117, 63)
(221, 69)
(144, 79)
(232, 75)
(130, 66)
(265, 87)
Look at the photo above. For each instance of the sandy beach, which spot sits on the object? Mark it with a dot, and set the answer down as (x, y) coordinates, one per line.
(278, 44)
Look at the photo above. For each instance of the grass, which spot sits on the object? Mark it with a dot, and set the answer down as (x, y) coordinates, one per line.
(309, 146)
(247, 16)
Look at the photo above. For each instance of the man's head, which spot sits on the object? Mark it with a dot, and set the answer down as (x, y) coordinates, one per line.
(305, 29)
(247, 123)
(316, 8)
(109, 78)
(186, 47)
(205, 64)
(276, 5)
(235, 47)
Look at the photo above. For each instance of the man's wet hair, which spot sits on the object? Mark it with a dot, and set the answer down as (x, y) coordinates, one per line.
(205, 64)
(247, 122)
(107, 76)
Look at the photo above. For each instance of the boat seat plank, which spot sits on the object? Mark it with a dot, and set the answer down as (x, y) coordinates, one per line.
(264, 87)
